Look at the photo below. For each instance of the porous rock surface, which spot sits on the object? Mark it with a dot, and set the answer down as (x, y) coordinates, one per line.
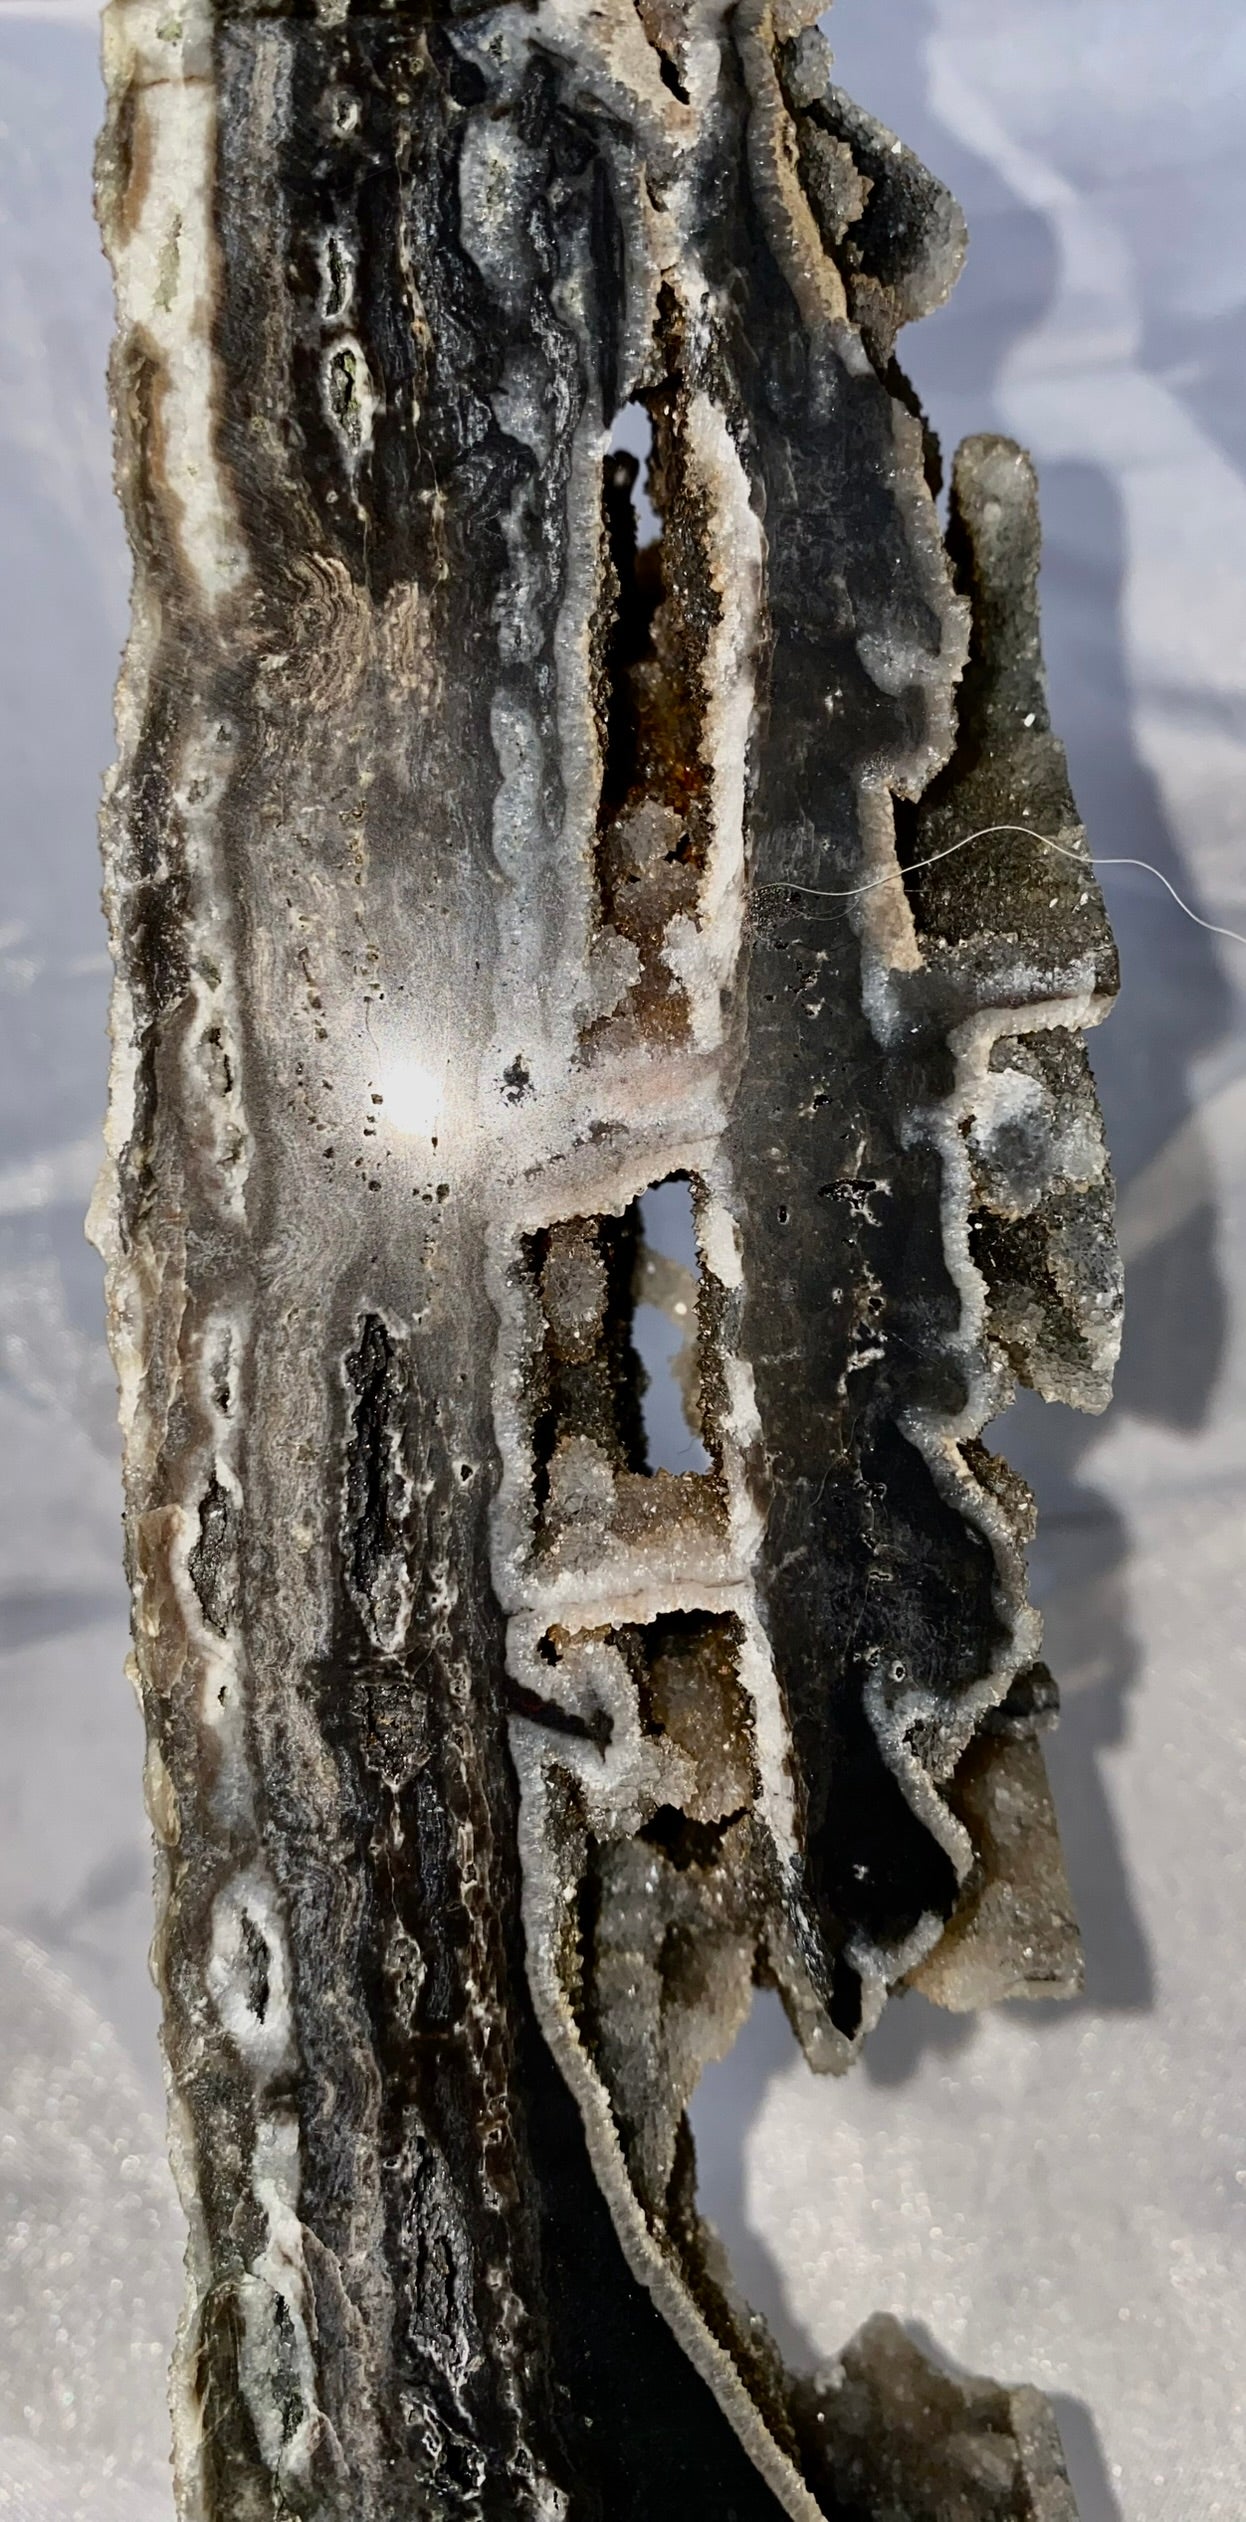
(474, 867)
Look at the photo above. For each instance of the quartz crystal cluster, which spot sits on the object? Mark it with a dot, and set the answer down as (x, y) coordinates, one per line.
(506, 826)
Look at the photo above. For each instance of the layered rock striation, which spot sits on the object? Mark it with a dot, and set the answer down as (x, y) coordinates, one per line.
(505, 828)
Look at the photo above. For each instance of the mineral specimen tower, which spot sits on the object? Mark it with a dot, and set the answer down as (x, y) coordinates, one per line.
(506, 826)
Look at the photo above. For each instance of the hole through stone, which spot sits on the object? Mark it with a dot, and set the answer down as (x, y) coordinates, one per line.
(723, 2115)
(664, 1327)
(632, 434)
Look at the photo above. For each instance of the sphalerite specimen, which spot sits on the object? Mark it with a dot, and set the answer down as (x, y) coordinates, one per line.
(478, 863)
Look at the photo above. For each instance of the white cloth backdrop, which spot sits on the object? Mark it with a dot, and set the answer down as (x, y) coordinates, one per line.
(1049, 2193)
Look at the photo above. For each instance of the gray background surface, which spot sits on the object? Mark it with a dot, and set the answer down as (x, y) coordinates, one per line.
(1056, 2194)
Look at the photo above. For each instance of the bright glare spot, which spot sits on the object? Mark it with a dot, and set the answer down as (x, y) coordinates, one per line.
(411, 1099)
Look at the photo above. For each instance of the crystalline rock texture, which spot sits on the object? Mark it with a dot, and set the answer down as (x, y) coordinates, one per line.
(475, 864)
